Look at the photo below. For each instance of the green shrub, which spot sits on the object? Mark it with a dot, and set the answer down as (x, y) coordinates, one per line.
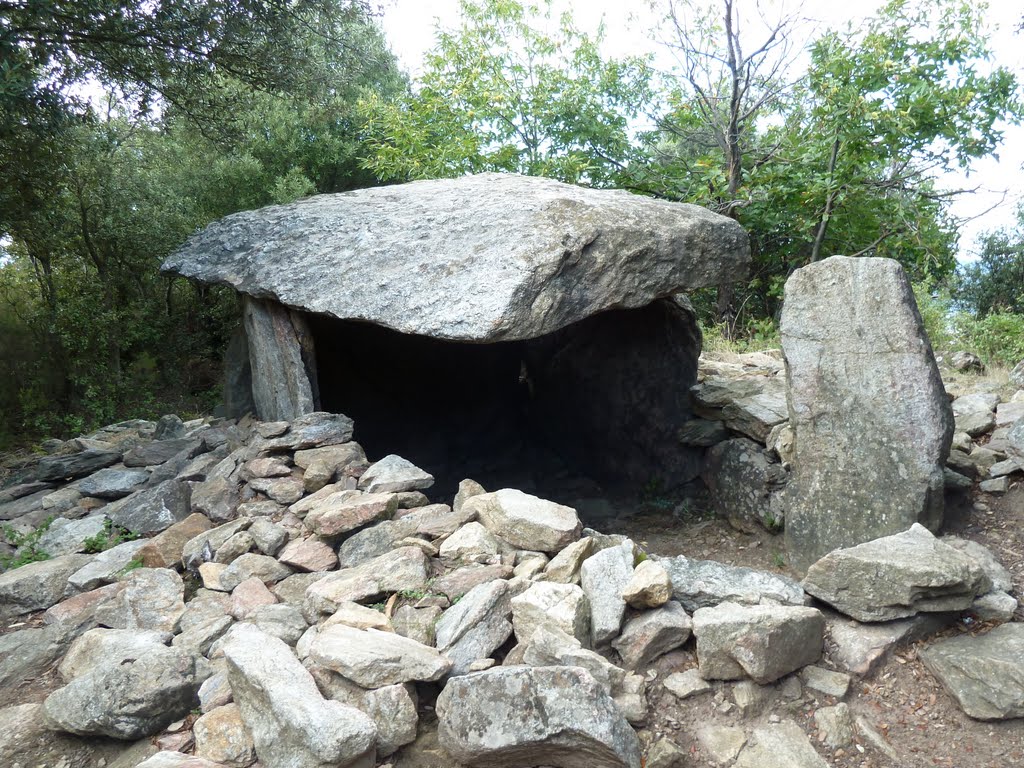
(997, 338)
(109, 537)
(27, 545)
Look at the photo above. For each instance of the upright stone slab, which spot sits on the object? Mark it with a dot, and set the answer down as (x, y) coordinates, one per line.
(871, 419)
(281, 360)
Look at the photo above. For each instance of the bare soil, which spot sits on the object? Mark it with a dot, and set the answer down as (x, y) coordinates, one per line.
(919, 723)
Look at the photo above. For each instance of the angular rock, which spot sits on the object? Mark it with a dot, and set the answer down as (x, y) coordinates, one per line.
(373, 659)
(222, 736)
(74, 465)
(169, 759)
(836, 726)
(392, 708)
(704, 583)
(984, 673)
(154, 509)
(722, 742)
(165, 549)
(112, 483)
(476, 626)
(780, 744)
(393, 474)
(347, 510)
(861, 648)
(471, 542)
(309, 555)
(525, 521)
(825, 681)
(29, 653)
(313, 430)
(37, 586)
(217, 498)
(756, 415)
(897, 576)
(603, 576)
(292, 725)
(512, 288)
(150, 598)
(127, 699)
(66, 537)
(650, 586)
(763, 642)
(360, 617)
(283, 490)
(556, 716)
(653, 634)
(283, 375)
(23, 507)
(683, 685)
(455, 584)
(159, 451)
(564, 567)
(266, 569)
(563, 606)
(745, 486)
(401, 569)
(853, 340)
(104, 646)
(107, 566)
(417, 623)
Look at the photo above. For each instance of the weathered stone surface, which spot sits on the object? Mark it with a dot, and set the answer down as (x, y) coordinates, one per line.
(23, 506)
(292, 725)
(159, 451)
(652, 634)
(312, 430)
(401, 569)
(784, 743)
(394, 474)
(862, 648)
(563, 606)
(66, 537)
(984, 673)
(745, 486)
(704, 583)
(154, 509)
(763, 642)
(169, 759)
(150, 598)
(650, 586)
(249, 595)
(474, 627)
(1015, 442)
(105, 567)
(37, 586)
(103, 646)
(73, 465)
(514, 716)
(348, 510)
(165, 549)
(722, 742)
(525, 521)
(249, 565)
(703, 432)
(221, 736)
(373, 659)
(417, 623)
(836, 726)
(897, 576)
(392, 708)
(825, 681)
(565, 566)
(29, 653)
(756, 415)
(112, 483)
(853, 340)
(280, 359)
(470, 543)
(127, 699)
(603, 576)
(360, 617)
(217, 498)
(283, 490)
(26, 742)
(684, 685)
(622, 250)
(309, 555)
(455, 584)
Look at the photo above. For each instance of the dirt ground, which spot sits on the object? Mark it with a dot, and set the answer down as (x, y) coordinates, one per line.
(920, 723)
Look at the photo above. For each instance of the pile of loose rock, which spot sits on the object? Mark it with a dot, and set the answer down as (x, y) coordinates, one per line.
(287, 601)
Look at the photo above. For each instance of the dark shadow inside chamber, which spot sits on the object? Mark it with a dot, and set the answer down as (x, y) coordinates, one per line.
(590, 410)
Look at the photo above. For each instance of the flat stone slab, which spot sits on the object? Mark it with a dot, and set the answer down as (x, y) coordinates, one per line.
(425, 258)
(984, 673)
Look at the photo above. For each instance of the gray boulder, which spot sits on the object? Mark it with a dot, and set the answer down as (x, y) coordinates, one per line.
(870, 416)
(1015, 442)
(745, 485)
(112, 483)
(653, 634)
(476, 626)
(525, 521)
(37, 586)
(62, 467)
(897, 576)
(292, 725)
(394, 474)
(704, 583)
(562, 253)
(127, 698)
(373, 659)
(152, 510)
(603, 576)
(283, 380)
(515, 716)
(984, 673)
(149, 598)
(105, 646)
(763, 642)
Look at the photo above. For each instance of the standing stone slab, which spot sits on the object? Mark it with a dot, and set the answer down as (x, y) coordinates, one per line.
(292, 725)
(517, 716)
(603, 576)
(280, 357)
(871, 419)
(984, 673)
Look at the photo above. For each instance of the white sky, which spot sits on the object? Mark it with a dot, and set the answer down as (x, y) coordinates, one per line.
(409, 26)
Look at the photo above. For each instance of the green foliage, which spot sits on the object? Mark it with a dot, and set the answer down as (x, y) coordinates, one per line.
(995, 282)
(111, 535)
(131, 565)
(936, 309)
(510, 90)
(26, 545)
(996, 338)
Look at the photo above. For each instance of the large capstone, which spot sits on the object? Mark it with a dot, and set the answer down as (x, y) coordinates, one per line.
(871, 419)
(497, 324)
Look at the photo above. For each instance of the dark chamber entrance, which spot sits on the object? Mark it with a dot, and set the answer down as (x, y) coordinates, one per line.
(590, 410)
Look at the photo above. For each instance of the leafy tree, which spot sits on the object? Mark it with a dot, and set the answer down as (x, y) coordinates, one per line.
(995, 282)
(502, 93)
